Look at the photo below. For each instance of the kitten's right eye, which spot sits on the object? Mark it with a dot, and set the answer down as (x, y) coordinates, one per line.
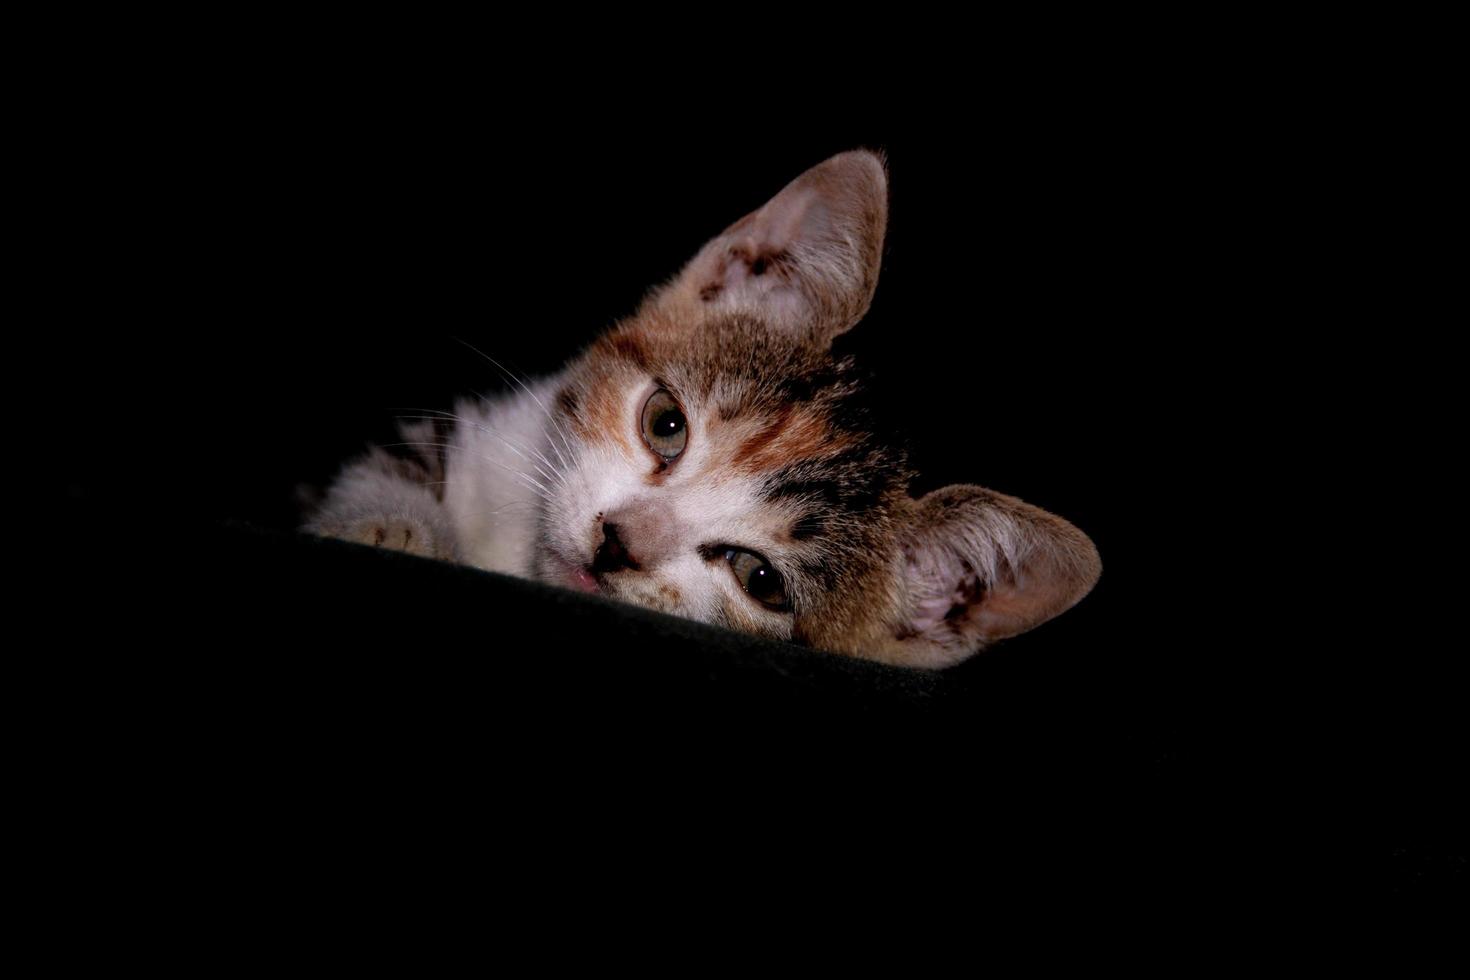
(664, 427)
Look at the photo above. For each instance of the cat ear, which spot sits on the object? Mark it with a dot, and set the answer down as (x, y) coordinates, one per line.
(806, 262)
(981, 566)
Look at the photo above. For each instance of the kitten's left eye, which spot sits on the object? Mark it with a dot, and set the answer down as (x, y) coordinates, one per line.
(664, 426)
(757, 577)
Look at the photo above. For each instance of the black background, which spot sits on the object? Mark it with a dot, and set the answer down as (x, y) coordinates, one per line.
(276, 269)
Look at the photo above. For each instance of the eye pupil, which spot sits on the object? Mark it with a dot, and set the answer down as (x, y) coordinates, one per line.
(762, 582)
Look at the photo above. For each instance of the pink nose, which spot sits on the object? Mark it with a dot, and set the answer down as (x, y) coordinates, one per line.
(635, 538)
(611, 555)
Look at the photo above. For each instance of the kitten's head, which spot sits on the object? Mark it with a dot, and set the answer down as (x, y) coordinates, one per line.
(722, 465)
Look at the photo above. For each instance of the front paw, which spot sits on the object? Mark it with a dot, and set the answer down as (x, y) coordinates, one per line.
(395, 534)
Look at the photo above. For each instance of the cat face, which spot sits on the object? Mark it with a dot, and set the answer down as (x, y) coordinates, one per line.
(725, 474)
(719, 463)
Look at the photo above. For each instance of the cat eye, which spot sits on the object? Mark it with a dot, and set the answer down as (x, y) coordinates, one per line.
(759, 580)
(664, 427)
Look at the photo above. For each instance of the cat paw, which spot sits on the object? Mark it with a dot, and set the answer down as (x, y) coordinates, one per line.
(395, 534)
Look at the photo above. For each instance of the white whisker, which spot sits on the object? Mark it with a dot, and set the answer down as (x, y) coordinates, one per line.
(549, 470)
(541, 490)
(526, 388)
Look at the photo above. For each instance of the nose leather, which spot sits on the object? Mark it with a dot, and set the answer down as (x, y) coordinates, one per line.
(638, 537)
(611, 555)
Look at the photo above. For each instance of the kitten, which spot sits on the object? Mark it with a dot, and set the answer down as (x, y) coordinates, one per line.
(710, 458)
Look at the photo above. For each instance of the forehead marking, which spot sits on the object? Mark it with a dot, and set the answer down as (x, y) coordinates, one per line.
(806, 527)
(601, 416)
(762, 439)
(630, 347)
(790, 436)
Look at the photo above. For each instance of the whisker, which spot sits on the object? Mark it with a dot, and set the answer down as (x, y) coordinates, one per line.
(547, 493)
(524, 387)
(557, 438)
(548, 471)
(551, 477)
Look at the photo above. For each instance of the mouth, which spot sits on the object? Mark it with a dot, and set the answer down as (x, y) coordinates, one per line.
(573, 575)
(580, 578)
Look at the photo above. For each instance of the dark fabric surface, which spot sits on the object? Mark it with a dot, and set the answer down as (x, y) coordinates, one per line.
(360, 690)
(353, 625)
(303, 697)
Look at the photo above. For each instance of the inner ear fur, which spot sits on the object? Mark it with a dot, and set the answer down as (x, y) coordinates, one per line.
(806, 262)
(980, 566)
